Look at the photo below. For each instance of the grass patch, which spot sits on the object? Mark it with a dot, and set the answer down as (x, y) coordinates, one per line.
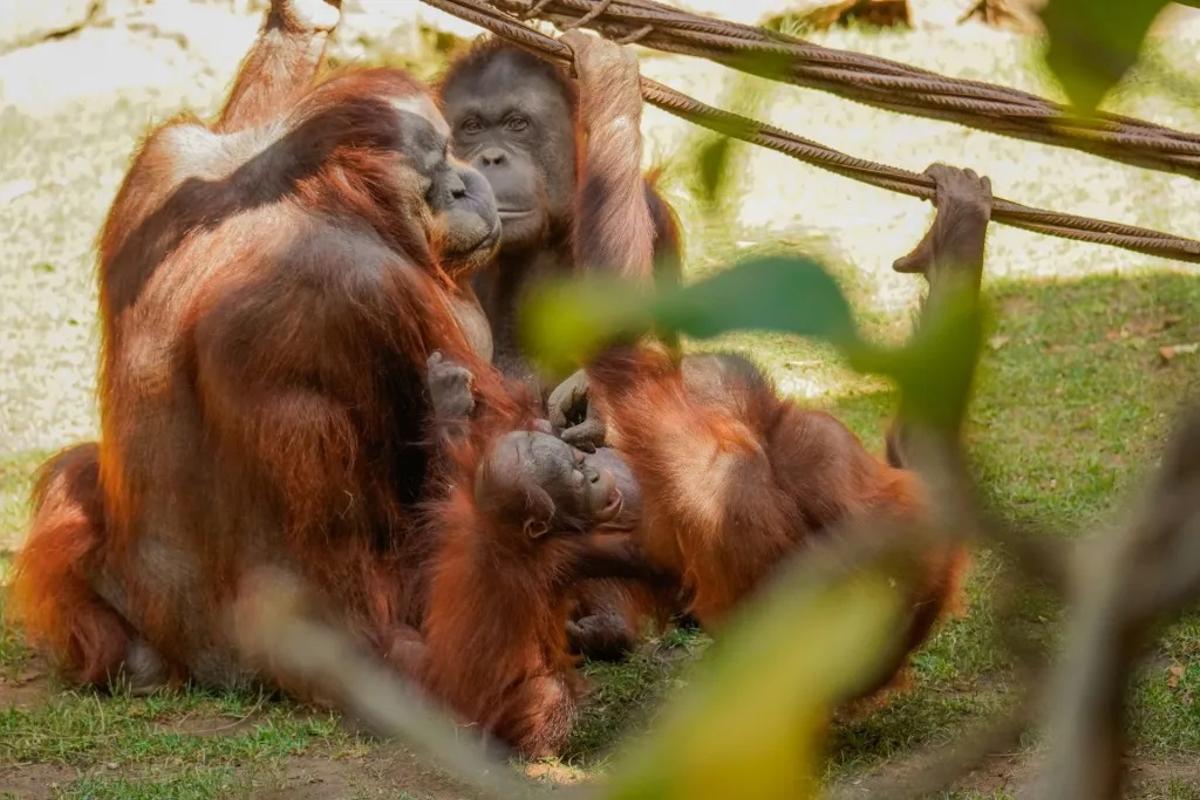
(193, 783)
(1165, 713)
(16, 481)
(623, 697)
(84, 728)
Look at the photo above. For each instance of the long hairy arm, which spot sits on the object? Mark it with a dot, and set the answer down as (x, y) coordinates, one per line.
(613, 227)
(282, 64)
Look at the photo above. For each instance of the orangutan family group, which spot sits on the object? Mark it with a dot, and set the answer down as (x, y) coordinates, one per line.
(310, 363)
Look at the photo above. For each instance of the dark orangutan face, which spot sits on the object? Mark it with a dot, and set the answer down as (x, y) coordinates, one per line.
(629, 516)
(546, 485)
(509, 117)
(466, 225)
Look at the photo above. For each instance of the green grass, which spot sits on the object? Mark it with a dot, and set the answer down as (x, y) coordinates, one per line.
(16, 480)
(194, 783)
(177, 743)
(85, 728)
(624, 696)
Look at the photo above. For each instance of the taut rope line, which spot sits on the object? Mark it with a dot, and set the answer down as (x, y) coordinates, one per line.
(1069, 226)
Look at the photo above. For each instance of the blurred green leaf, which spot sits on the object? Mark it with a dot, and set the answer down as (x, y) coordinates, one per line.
(809, 645)
(712, 161)
(935, 369)
(781, 293)
(1093, 44)
(565, 323)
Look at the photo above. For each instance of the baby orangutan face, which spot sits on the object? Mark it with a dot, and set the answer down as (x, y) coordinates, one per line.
(545, 485)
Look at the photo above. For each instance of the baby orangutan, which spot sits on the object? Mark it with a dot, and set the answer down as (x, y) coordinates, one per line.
(519, 528)
(547, 483)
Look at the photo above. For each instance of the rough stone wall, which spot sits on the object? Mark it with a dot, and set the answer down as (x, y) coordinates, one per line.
(25, 22)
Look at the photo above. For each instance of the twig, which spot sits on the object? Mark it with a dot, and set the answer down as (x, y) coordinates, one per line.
(1134, 579)
(275, 629)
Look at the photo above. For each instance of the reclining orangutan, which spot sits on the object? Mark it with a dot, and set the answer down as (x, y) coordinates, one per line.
(271, 288)
(734, 478)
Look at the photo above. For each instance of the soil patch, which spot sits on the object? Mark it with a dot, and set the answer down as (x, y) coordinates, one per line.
(386, 772)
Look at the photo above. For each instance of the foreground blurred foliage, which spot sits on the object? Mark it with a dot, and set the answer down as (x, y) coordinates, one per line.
(1092, 45)
(808, 645)
(753, 723)
(567, 322)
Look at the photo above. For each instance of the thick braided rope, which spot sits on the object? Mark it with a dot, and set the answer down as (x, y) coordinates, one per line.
(1069, 226)
(875, 81)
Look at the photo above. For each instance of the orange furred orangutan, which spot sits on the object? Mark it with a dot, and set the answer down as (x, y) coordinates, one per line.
(524, 522)
(272, 285)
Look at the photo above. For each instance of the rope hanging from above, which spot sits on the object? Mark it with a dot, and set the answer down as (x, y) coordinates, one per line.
(1069, 226)
(872, 80)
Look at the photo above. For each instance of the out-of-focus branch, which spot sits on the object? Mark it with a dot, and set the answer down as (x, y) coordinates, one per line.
(1142, 575)
(1123, 587)
(936, 453)
(276, 629)
(932, 771)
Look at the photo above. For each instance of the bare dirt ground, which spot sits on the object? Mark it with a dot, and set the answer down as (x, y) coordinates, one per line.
(378, 771)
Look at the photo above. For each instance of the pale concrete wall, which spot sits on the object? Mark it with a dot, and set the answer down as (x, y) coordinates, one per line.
(26, 21)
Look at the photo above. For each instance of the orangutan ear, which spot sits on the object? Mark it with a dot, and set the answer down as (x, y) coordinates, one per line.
(539, 512)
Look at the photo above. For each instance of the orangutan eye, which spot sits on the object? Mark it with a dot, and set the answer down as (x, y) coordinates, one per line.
(471, 125)
(516, 123)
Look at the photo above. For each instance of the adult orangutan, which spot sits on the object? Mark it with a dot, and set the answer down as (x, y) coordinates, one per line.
(271, 288)
(564, 161)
